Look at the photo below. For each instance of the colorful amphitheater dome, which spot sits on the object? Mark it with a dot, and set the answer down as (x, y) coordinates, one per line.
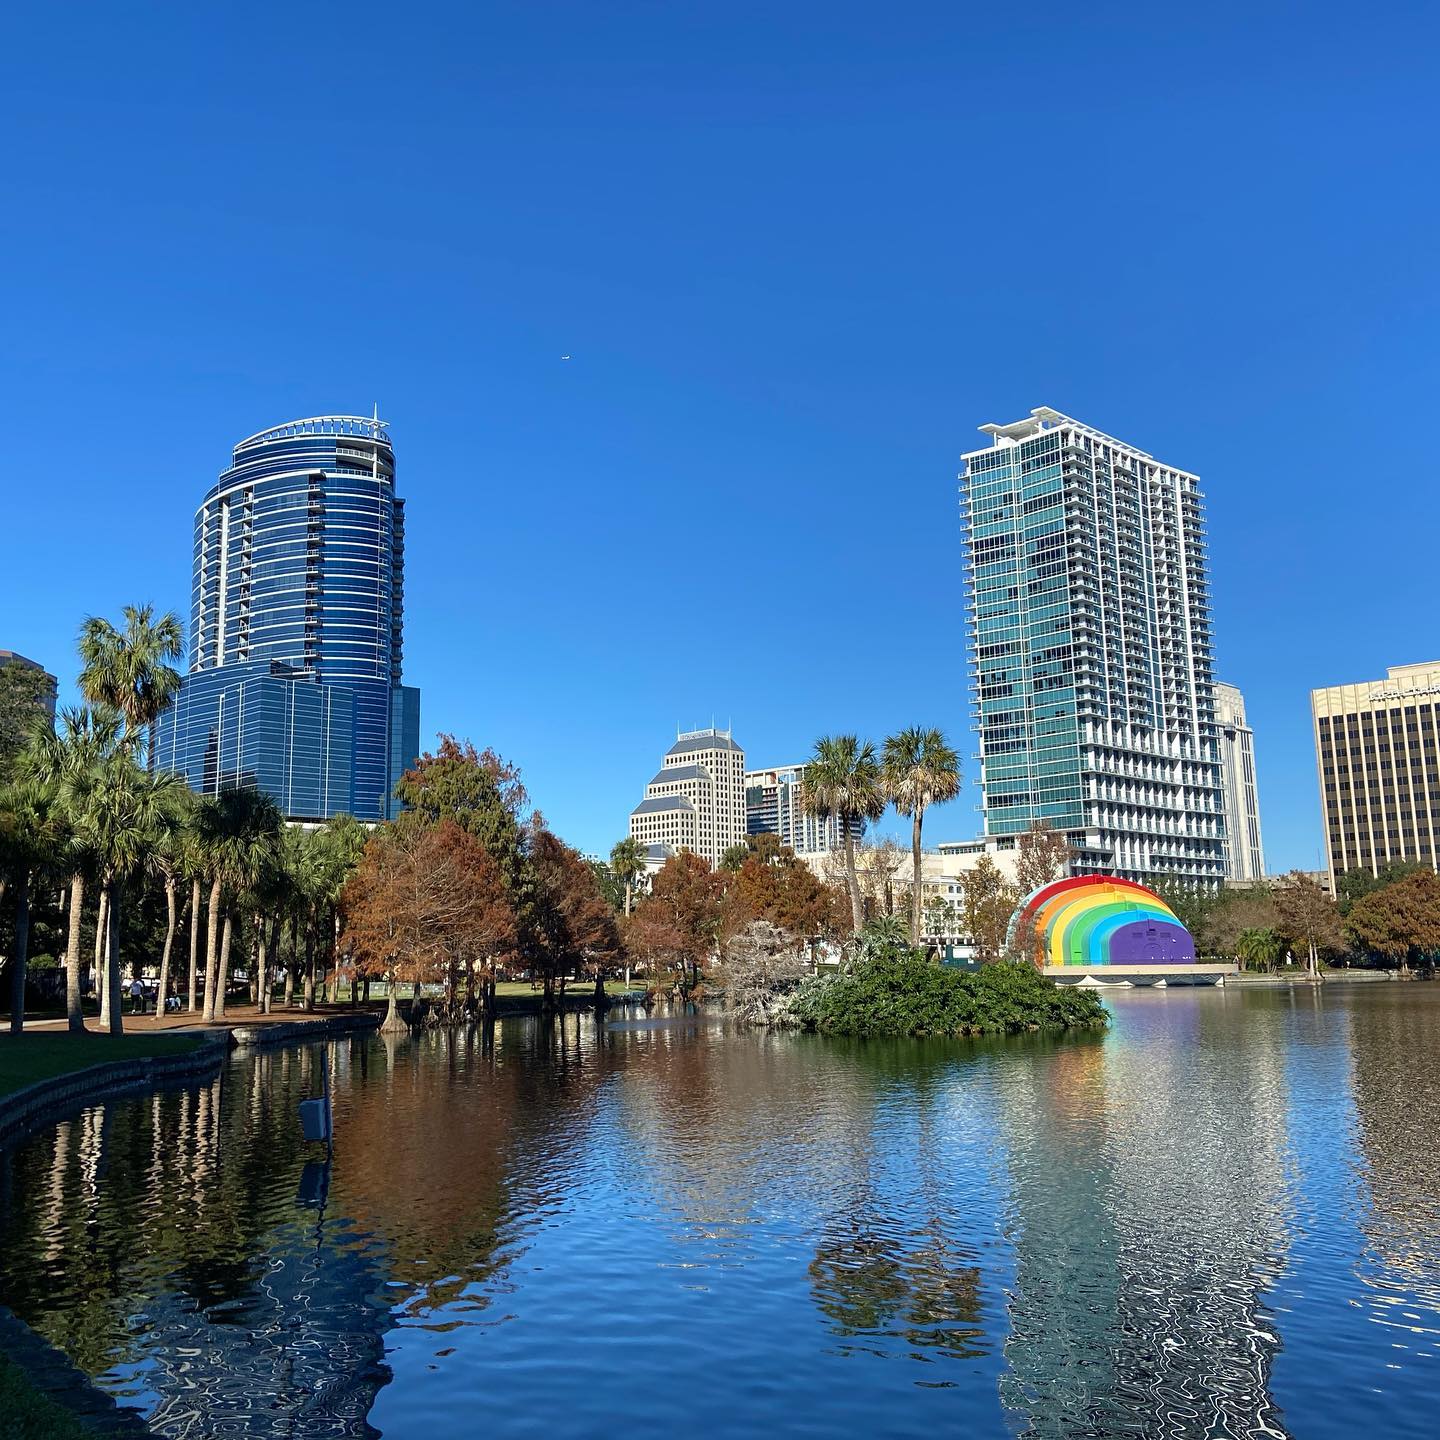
(1102, 920)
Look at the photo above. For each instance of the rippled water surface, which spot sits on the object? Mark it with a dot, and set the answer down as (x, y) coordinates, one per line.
(1220, 1219)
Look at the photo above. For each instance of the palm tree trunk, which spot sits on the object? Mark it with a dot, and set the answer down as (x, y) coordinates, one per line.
(272, 955)
(915, 825)
(629, 895)
(222, 968)
(851, 879)
(163, 988)
(307, 1000)
(194, 941)
(22, 947)
(292, 965)
(102, 935)
(334, 965)
(257, 957)
(114, 991)
(74, 1016)
(212, 928)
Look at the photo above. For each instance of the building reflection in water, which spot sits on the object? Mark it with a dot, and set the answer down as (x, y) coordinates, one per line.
(714, 1133)
(1148, 1228)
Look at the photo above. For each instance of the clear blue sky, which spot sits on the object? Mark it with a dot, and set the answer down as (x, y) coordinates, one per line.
(798, 253)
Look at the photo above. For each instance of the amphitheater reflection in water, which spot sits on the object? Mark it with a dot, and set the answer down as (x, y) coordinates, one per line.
(1221, 1219)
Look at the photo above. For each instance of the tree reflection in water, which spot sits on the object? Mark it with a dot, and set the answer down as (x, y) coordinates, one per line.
(169, 1245)
(1035, 1236)
(870, 1282)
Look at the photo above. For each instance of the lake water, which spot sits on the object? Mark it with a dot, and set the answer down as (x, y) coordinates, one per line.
(1220, 1219)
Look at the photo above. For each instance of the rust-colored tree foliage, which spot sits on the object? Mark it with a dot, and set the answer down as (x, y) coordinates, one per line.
(788, 894)
(426, 903)
(575, 928)
(684, 921)
(1400, 922)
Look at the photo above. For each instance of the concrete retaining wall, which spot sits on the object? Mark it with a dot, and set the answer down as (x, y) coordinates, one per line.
(300, 1032)
(48, 1100)
(52, 1375)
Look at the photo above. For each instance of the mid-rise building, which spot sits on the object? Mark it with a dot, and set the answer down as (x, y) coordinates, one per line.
(886, 875)
(1089, 616)
(296, 626)
(696, 800)
(774, 805)
(47, 687)
(1245, 858)
(1377, 748)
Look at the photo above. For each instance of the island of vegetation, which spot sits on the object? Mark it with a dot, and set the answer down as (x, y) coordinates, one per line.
(887, 987)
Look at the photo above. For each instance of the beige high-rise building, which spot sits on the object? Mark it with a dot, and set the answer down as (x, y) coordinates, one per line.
(696, 801)
(1244, 853)
(1377, 749)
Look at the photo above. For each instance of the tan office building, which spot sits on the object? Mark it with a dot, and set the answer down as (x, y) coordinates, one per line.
(1377, 748)
(696, 801)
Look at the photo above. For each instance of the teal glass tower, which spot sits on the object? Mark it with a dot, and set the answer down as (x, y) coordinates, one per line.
(1090, 636)
(296, 626)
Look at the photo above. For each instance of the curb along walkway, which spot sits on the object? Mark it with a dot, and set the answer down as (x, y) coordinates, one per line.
(47, 1100)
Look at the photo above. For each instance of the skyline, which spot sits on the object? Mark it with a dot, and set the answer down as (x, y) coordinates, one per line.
(789, 307)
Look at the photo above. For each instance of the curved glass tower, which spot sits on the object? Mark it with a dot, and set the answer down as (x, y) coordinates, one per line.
(296, 625)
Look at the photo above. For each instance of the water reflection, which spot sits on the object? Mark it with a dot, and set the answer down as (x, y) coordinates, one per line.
(1150, 1208)
(1397, 1099)
(1172, 1230)
(167, 1254)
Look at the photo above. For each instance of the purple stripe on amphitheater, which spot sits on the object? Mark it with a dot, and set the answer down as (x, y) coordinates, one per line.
(1144, 942)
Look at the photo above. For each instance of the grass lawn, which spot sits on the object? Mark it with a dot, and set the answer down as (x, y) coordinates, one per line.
(25, 1414)
(44, 1054)
(575, 987)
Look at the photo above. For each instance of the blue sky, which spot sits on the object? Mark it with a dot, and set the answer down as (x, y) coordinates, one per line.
(798, 253)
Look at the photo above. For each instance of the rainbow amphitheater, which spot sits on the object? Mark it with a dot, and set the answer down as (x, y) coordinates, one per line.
(1093, 929)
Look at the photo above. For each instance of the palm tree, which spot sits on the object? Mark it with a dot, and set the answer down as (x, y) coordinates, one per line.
(295, 865)
(31, 836)
(338, 844)
(627, 865)
(921, 769)
(191, 863)
(70, 760)
(238, 832)
(1259, 947)
(122, 826)
(843, 779)
(128, 670)
(168, 862)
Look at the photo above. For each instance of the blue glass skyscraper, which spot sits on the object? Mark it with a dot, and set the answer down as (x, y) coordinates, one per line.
(296, 626)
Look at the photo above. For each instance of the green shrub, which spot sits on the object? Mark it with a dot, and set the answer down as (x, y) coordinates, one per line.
(894, 990)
